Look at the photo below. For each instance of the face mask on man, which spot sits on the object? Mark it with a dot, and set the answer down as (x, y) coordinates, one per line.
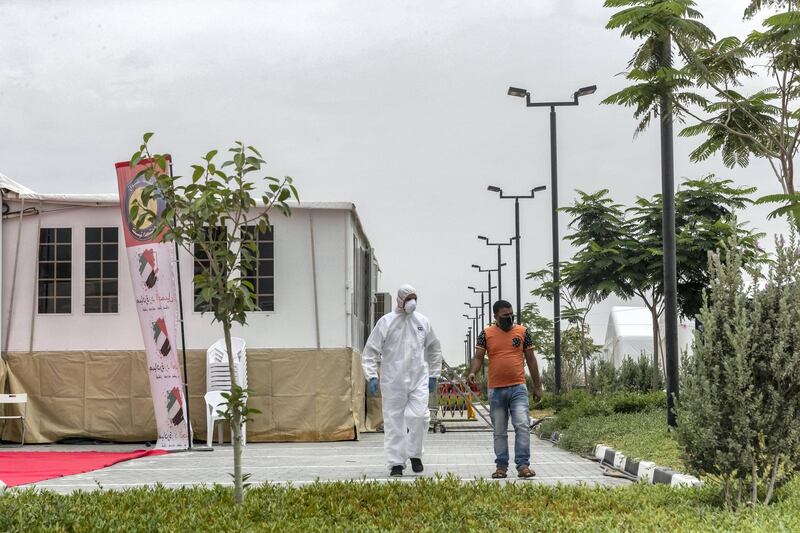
(410, 306)
(505, 322)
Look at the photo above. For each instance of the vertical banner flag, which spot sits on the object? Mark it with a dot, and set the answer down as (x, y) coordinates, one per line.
(150, 261)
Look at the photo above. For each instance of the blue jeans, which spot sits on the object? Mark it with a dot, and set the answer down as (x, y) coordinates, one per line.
(514, 400)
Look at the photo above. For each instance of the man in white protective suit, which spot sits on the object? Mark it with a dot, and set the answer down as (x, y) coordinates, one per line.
(411, 362)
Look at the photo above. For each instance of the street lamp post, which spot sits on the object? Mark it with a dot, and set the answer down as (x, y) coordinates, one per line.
(483, 303)
(475, 318)
(489, 272)
(499, 260)
(516, 199)
(523, 93)
(469, 329)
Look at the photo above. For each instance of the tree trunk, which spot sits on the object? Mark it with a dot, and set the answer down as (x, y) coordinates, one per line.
(773, 476)
(236, 425)
(726, 492)
(584, 354)
(656, 347)
(739, 493)
(754, 493)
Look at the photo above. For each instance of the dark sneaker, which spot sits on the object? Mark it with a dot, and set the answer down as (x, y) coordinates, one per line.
(416, 465)
(396, 471)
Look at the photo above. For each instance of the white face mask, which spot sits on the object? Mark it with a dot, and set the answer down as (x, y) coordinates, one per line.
(410, 306)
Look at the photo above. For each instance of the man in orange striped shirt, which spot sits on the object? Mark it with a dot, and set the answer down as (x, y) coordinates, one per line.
(509, 347)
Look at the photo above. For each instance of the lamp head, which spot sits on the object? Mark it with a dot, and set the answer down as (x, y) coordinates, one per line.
(492, 188)
(540, 188)
(518, 92)
(482, 238)
(585, 91)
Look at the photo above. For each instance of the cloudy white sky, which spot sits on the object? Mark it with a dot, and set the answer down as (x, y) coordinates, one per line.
(399, 107)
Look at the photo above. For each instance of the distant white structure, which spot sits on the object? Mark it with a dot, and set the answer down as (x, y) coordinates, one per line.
(630, 334)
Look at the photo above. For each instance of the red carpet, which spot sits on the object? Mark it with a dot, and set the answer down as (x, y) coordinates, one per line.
(20, 468)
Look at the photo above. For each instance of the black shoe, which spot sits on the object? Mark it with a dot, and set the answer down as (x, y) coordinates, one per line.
(416, 465)
(397, 471)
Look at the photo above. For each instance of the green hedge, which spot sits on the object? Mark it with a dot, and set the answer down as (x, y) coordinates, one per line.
(425, 505)
(578, 404)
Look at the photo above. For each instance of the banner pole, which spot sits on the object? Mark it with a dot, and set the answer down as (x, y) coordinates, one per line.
(183, 332)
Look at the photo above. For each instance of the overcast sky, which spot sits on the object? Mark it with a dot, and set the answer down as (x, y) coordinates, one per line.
(399, 107)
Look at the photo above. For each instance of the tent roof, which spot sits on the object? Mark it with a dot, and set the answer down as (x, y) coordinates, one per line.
(630, 322)
(14, 190)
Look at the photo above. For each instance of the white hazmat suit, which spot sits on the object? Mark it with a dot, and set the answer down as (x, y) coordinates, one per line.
(410, 353)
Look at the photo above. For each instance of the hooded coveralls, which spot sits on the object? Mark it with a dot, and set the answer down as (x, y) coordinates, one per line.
(410, 353)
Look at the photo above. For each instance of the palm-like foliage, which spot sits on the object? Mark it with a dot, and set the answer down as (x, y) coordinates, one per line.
(656, 23)
(722, 129)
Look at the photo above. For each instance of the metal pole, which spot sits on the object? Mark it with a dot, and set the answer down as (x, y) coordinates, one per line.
(483, 317)
(499, 275)
(519, 272)
(489, 303)
(183, 332)
(670, 262)
(556, 273)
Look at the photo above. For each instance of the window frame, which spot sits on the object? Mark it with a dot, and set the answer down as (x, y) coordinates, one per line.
(102, 243)
(55, 280)
(270, 232)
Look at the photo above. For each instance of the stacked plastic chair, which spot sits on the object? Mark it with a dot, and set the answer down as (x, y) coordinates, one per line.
(218, 380)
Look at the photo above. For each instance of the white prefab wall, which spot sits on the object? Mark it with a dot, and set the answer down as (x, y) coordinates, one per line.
(291, 325)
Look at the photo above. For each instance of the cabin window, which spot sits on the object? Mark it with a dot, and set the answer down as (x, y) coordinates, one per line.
(101, 294)
(262, 276)
(55, 271)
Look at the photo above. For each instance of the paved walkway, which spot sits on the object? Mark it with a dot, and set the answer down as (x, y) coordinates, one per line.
(465, 454)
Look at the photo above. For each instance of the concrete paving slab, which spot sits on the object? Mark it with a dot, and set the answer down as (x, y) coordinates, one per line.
(467, 455)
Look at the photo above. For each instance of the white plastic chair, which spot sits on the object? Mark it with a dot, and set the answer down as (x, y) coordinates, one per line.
(217, 372)
(215, 403)
(19, 399)
(218, 380)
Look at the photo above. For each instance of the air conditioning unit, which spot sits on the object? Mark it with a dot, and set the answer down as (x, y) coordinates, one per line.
(383, 305)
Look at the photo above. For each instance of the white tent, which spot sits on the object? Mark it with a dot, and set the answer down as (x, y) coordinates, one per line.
(629, 334)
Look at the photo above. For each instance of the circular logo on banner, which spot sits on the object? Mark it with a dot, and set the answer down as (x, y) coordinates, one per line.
(133, 195)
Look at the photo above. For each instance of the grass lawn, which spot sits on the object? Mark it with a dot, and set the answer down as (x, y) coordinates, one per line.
(425, 505)
(643, 435)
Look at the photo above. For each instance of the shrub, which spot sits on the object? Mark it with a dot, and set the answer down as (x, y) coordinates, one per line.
(638, 375)
(631, 402)
(739, 409)
(548, 401)
(602, 377)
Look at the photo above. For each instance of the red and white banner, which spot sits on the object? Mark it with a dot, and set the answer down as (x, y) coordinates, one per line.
(151, 265)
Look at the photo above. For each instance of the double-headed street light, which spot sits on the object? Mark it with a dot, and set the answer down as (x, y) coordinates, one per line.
(499, 260)
(516, 199)
(524, 93)
(489, 284)
(475, 318)
(483, 302)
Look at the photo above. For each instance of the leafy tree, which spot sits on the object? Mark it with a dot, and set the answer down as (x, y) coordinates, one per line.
(574, 311)
(212, 217)
(540, 328)
(574, 343)
(619, 250)
(764, 124)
